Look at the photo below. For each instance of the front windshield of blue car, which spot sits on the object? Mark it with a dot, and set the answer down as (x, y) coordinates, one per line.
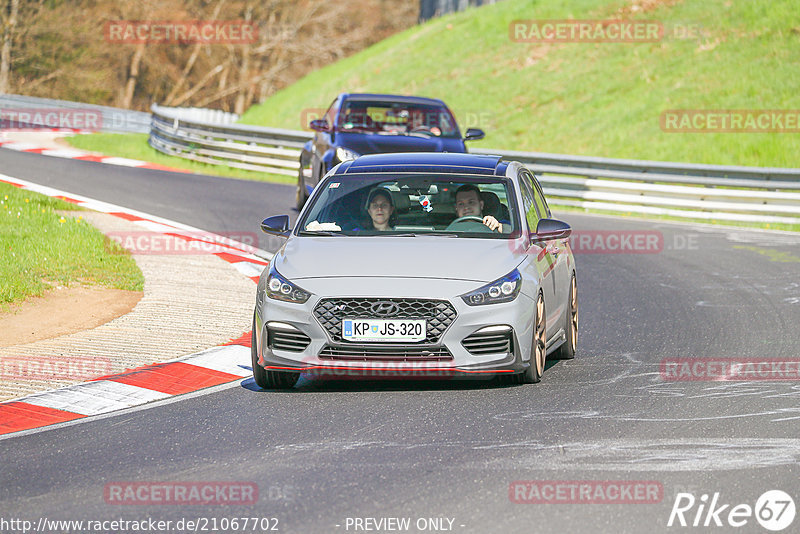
(453, 205)
(396, 118)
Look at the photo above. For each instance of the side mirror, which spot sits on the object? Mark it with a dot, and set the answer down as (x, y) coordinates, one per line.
(277, 225)
(319, 125)
(473, 134)
(550, 229)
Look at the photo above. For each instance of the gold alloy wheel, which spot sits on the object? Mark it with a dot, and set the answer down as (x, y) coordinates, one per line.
(540, 338)
(573, 305)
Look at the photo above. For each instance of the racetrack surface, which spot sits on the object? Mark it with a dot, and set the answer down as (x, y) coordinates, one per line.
(331, 450)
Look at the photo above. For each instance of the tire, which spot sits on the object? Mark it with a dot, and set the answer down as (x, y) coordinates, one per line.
(301, 196)
(533, 374)
(269, 379)
(567, 350)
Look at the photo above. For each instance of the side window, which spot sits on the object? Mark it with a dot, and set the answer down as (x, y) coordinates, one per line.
(528, 200)
(540, 201)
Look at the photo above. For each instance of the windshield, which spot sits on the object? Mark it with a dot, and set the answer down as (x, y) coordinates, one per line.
(397, 118)
(403, 205)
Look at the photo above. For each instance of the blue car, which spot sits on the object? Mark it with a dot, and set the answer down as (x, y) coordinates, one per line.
(359, 124)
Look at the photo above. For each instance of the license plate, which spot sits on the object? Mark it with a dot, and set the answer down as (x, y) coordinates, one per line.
(383, 329)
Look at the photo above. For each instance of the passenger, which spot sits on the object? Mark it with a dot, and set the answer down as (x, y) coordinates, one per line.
(469, 203)
(380, 207)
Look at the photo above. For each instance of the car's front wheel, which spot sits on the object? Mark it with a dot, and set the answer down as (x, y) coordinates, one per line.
(533, 373)
(269, 379)
(567, 350)
(539, 349)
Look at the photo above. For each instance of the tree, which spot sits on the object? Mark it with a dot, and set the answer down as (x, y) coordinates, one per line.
(9, 26)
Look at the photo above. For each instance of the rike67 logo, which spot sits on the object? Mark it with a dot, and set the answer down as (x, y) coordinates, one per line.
(774, 510)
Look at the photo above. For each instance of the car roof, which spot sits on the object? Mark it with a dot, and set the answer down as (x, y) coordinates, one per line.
(391, 98)
(429, 162)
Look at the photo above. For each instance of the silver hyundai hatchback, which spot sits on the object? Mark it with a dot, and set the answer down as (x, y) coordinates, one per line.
(417, 265)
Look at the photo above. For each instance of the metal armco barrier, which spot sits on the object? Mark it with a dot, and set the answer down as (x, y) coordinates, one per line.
(684, 190)
(245, 147)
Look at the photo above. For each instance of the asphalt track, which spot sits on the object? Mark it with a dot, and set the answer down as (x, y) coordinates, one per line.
(331, 450)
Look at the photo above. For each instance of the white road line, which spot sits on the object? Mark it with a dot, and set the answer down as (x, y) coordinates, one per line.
(248, 269)
(125, 162)
(20, 146)
(148, 406)
(155, 226)
(63, 153)
(231, 359)
(93, 398)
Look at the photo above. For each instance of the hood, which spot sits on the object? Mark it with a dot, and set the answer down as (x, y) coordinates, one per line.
(454, 258)
(378, 144)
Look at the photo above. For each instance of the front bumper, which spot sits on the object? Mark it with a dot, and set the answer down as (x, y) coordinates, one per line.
(447, 357)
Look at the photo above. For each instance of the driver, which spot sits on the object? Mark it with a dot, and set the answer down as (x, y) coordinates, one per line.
(469, 204)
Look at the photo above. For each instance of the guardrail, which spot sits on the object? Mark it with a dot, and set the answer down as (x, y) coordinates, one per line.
(683, 190)
(252, 148)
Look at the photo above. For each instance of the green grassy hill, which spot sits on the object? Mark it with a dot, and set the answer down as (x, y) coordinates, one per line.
(599, 99)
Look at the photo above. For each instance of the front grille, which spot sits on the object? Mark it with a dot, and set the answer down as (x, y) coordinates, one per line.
(439, 314)
(290, 340)
(489, 342)
(389, 354)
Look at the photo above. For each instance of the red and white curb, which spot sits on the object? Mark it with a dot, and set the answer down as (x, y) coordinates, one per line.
(74, 153)
(212, 367)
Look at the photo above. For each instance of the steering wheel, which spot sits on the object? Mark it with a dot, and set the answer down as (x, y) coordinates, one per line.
(470, 223)
(422, 129)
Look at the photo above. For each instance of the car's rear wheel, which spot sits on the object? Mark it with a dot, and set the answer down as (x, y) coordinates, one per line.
(301, 196)
(567, 350)
(269, 379)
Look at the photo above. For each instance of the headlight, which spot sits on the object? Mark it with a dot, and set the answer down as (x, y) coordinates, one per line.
(279, 288)
(503, 289)
(343, 154)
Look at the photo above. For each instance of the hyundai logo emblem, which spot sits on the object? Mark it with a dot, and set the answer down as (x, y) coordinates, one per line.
(384, 308)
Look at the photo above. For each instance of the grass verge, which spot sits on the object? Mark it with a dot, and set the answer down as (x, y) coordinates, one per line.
(134, 146)
(40, 247)
(584, 98)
